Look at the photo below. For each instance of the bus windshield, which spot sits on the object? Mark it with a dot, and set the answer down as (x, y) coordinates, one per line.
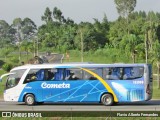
(13, 79)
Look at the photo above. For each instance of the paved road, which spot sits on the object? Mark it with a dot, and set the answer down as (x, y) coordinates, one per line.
(153, 105)
(55, 58)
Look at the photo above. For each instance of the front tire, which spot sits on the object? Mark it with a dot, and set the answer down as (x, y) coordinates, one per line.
(107, 99)
(30, 99)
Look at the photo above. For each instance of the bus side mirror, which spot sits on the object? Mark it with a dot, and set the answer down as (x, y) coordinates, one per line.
(0, 79)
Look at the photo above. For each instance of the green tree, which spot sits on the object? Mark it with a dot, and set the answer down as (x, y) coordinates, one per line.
(24, 29)
(117, 31)
(125, 7)
(5, 34)
(28, 28)
(156, 58)
(101, 31)
(57, 14)
(17, 25)
(47, 17)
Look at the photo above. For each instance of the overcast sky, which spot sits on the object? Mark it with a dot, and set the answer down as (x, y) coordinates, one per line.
(78, 10)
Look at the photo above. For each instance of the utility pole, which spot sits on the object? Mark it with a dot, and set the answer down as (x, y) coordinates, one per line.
(146, 46)
(34, 47)
(81, 45)
(19, 41)
(158, 66)
(37, 45)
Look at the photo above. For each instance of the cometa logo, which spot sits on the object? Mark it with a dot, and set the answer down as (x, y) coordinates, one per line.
(63, 85)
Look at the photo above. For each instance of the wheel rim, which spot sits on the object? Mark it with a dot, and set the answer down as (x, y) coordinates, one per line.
(107, 100)
(30, 100)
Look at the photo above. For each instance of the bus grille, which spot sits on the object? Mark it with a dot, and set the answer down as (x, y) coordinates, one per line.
(135, 95)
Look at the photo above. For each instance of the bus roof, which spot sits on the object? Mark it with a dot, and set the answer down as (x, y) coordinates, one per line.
(70, 65)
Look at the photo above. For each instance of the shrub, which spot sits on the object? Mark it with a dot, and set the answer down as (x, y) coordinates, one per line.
(14, 60)
(1, 63)
(7, 67)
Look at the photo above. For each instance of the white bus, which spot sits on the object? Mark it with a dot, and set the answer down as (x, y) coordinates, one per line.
(82, 82)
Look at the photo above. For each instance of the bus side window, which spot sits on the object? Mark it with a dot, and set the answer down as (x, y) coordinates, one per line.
(88, 76)
(40, 74)
(58, 74)
(115, 74)
(50, 75)
(127, 73)
(78, 74)
(72, 74)
(132, 73)
(30, 78)
(112, 73)
(32, 75)
(107, 73)
(137, 72)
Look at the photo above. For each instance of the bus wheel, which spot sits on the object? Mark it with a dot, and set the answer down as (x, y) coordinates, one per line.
(107, 99)
(30, 99)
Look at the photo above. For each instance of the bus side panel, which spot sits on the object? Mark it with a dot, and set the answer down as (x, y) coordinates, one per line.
(78, 91)
(32, 88)
(128, 90)
(84, 90)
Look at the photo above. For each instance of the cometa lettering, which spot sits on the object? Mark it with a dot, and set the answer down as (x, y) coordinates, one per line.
(63, 85)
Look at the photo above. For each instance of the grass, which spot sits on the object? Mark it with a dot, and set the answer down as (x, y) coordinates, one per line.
(14, 59)
(2, 84)
(98, 57)
(156, 90)
(75, 56)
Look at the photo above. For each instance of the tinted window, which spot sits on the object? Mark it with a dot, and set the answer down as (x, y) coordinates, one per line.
(40, 74)
(72, 74)
(122, 73)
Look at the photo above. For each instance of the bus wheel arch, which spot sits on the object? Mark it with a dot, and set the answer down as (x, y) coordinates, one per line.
(29, 99)
(107, 99)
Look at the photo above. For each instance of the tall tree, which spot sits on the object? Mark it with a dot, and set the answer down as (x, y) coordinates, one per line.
(6, 34)
(47, 17)
(28, 28)
(125, 7)
(17, 25)
(57, 14)
(25, 30)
